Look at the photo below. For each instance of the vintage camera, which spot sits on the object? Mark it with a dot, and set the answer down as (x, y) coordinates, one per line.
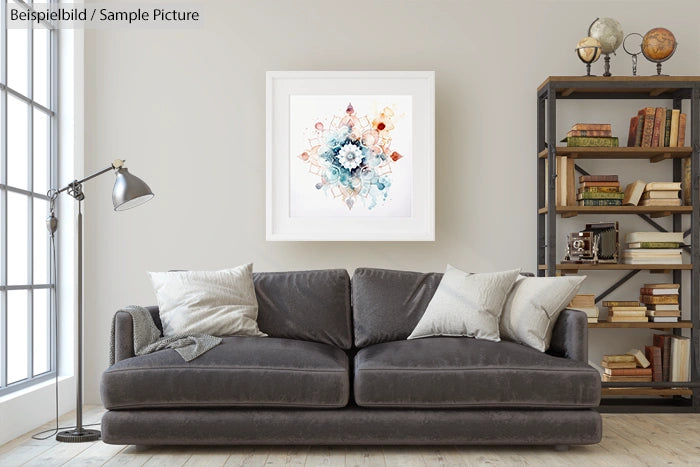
(597, 243)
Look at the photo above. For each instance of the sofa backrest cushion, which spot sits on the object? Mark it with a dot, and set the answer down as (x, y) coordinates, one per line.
(306, 305)
(387, 305)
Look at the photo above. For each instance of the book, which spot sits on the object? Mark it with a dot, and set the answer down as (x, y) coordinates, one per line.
(663, 341)
(653, 245)
(659, 121)
(610, 303)
(658, 260)
(591, 141)
(640, 128)
(598, 178)
(676, 237)
(592, 126)
(681, 130)
(673, 137)
(663, 319)
(680, 359)
(592, 319)
(570, 182)
(664, 313)
(599, 184)
(619, 358)
(561, 180)
(589, 133)
(686, 183)
(599, 189)
(582, 300)
(660, 202)
(667, 129)
(639, 356)
(591, 311)
(632, 135)
(648, 130)
(662, 285)
(633, 193)
(632, 364)
(661, 307)
(656, 299)
(653, 354)
(653, 291)
(600, 202)
(617, 309)
(599, 195)
(663, 186)
(660, 194)
(629, 371)
(627, 319)
(626, 379)
(651, 252)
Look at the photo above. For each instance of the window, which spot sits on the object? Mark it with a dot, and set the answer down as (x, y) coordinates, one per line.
(27, 171)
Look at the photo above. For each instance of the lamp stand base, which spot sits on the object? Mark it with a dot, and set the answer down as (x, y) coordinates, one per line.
(78, 436)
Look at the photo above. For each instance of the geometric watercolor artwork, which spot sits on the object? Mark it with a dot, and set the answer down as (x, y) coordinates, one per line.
(351, 156)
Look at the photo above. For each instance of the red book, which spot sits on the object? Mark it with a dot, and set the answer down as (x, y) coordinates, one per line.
(597, 178)
(634, 121)
(659, 125)
(648, 130)
(663, 341)
(640, 128)
(629, 371)
(681, 130)
(653, 354)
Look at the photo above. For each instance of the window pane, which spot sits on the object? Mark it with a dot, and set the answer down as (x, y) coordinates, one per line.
(41, 152)
(16, 335)
(17, 59)
(17, 150)
(17, 238)
(41, 65)
(42, 339)
(41, 242)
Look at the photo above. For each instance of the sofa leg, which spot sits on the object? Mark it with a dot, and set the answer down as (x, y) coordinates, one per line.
(561, 447)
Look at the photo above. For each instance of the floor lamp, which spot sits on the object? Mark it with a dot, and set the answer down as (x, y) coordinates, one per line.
(129, 191)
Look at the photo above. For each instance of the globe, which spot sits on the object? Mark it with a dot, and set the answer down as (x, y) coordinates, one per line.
(588, 49)
(658, 44)
(609, 32)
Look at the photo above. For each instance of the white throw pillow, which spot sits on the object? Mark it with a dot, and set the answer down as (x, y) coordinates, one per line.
(220, 303)
(533, 306)
(466, 304)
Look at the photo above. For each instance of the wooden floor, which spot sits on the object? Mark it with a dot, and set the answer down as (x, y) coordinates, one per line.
(640, 439)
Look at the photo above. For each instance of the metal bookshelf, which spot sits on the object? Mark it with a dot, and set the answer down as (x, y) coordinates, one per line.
(670, 396)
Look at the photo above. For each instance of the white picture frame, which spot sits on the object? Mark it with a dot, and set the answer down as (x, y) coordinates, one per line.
(350, 156)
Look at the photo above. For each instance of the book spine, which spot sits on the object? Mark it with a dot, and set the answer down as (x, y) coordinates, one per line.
(648, 130)
(673, 137)
(659, 299)
(659, 120)
(608, 184)
(589, 133)
(598, 178)
(681, 130)
(592, 141)
(592, 126)
(654, 245)
(634, 121)
(610, 303)
(667, 129)
(600, 202)
(600, 195)
(646, 291)
(686, 191)
(599, 189)
(640, 129)
(570, 182)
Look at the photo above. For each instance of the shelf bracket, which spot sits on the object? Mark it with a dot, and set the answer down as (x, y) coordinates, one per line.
(658, 92)
(617, 284)
(660, 157)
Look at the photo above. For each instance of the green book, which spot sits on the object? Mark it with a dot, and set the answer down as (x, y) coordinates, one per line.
(592, 141)
(599, 195)
(653, 245)
(600, 202)
(599, 189)
(667, 128)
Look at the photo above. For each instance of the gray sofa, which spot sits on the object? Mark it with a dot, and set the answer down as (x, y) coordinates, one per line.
(337, 369)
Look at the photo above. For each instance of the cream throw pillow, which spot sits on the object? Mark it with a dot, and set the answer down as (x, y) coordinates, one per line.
(220, 303)
(466, 304)
(533, 306)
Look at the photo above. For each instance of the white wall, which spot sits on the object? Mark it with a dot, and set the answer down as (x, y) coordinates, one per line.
(186, 108)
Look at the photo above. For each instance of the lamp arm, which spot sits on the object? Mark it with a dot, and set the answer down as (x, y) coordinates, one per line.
(117, 164)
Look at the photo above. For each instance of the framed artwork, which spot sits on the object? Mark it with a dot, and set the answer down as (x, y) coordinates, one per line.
(350, 156)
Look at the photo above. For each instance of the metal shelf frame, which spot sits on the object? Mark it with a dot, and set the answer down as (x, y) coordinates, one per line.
(677, 89)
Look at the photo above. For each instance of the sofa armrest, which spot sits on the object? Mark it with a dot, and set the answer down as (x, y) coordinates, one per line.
(570, 336)
(124, 333)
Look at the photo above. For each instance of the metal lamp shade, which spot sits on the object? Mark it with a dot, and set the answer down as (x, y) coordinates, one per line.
(129, 191)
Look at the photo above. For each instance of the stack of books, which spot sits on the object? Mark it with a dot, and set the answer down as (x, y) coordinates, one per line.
(661, 301)
(585, 303)
(657, 127)
(626, 311)
(630, 367)
(653, 248)
(599, 190)
(661, 194)
(591, 135)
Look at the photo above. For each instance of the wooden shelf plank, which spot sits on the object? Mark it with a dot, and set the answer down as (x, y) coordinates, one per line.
(618, 267)
(653, 154)
(648, 325)
(652, 86)
(656, 211)
(646, 392)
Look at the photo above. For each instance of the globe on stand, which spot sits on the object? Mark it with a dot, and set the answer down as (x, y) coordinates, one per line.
(588, 51)
(609, 32)
(658, 45)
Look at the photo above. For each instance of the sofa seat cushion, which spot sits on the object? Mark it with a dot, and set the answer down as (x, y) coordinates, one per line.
(461, 372)
(241, 371)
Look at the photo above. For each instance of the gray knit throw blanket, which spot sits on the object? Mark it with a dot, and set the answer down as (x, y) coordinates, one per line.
(147, 337)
